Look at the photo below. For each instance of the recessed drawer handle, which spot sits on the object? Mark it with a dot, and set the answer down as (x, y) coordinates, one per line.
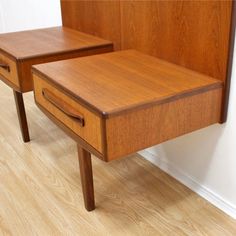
(5, 66)
(63, 106)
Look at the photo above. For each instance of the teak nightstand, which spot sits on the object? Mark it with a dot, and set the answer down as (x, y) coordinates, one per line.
(118, 103)
(20, 50)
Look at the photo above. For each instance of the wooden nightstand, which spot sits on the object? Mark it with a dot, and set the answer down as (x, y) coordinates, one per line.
(20, 50)
(118, 103)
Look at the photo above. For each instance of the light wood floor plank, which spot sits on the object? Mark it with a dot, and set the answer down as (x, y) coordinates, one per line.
(40, 190)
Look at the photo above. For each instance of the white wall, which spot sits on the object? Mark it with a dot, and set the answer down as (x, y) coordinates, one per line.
(16, 15)
(204, 160)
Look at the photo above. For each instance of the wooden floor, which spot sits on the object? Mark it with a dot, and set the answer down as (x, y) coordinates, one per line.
(40, 190)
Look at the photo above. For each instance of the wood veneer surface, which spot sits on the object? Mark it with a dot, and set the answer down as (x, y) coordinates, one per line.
(12, 75)
(134, 131)
(41, 42)
(194, 34)
(198, 35)
(91, 132)
(115, 82)
(23, 49)
(96, 17)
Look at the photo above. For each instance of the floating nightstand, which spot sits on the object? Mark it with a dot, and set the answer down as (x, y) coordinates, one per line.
(118, 103)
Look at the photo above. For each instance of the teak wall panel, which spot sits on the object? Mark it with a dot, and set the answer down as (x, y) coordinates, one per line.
(194, 34)
(100, 18)
(198, 35)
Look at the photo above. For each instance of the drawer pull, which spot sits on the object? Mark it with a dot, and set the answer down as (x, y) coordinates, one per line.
(64, 107)
(5, 66)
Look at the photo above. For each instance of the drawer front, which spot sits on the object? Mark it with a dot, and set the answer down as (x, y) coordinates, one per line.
(8, 70)
(76, 117)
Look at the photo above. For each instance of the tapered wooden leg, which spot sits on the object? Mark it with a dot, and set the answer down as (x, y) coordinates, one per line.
(86, 174)
(20, 107)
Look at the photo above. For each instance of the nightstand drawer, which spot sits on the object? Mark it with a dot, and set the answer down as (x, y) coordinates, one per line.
(8, 70)
(69, 112)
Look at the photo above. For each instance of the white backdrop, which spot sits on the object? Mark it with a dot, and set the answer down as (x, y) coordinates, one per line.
(204, 160)
(16, 15)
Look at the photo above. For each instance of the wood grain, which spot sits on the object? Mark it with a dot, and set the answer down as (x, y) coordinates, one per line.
(225, 101)
(135, 131)
(195, 34)
(71, 133)
(25, 67)
(20, 108)
(48, 41)
(117, 82)
(27, 48)
(40, 191)
(96, 17)
(91, 132)
(86, 176)
(12, 75)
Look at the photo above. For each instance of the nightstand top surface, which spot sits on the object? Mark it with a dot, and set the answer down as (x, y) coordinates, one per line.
(114, 82)
(47, 41)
